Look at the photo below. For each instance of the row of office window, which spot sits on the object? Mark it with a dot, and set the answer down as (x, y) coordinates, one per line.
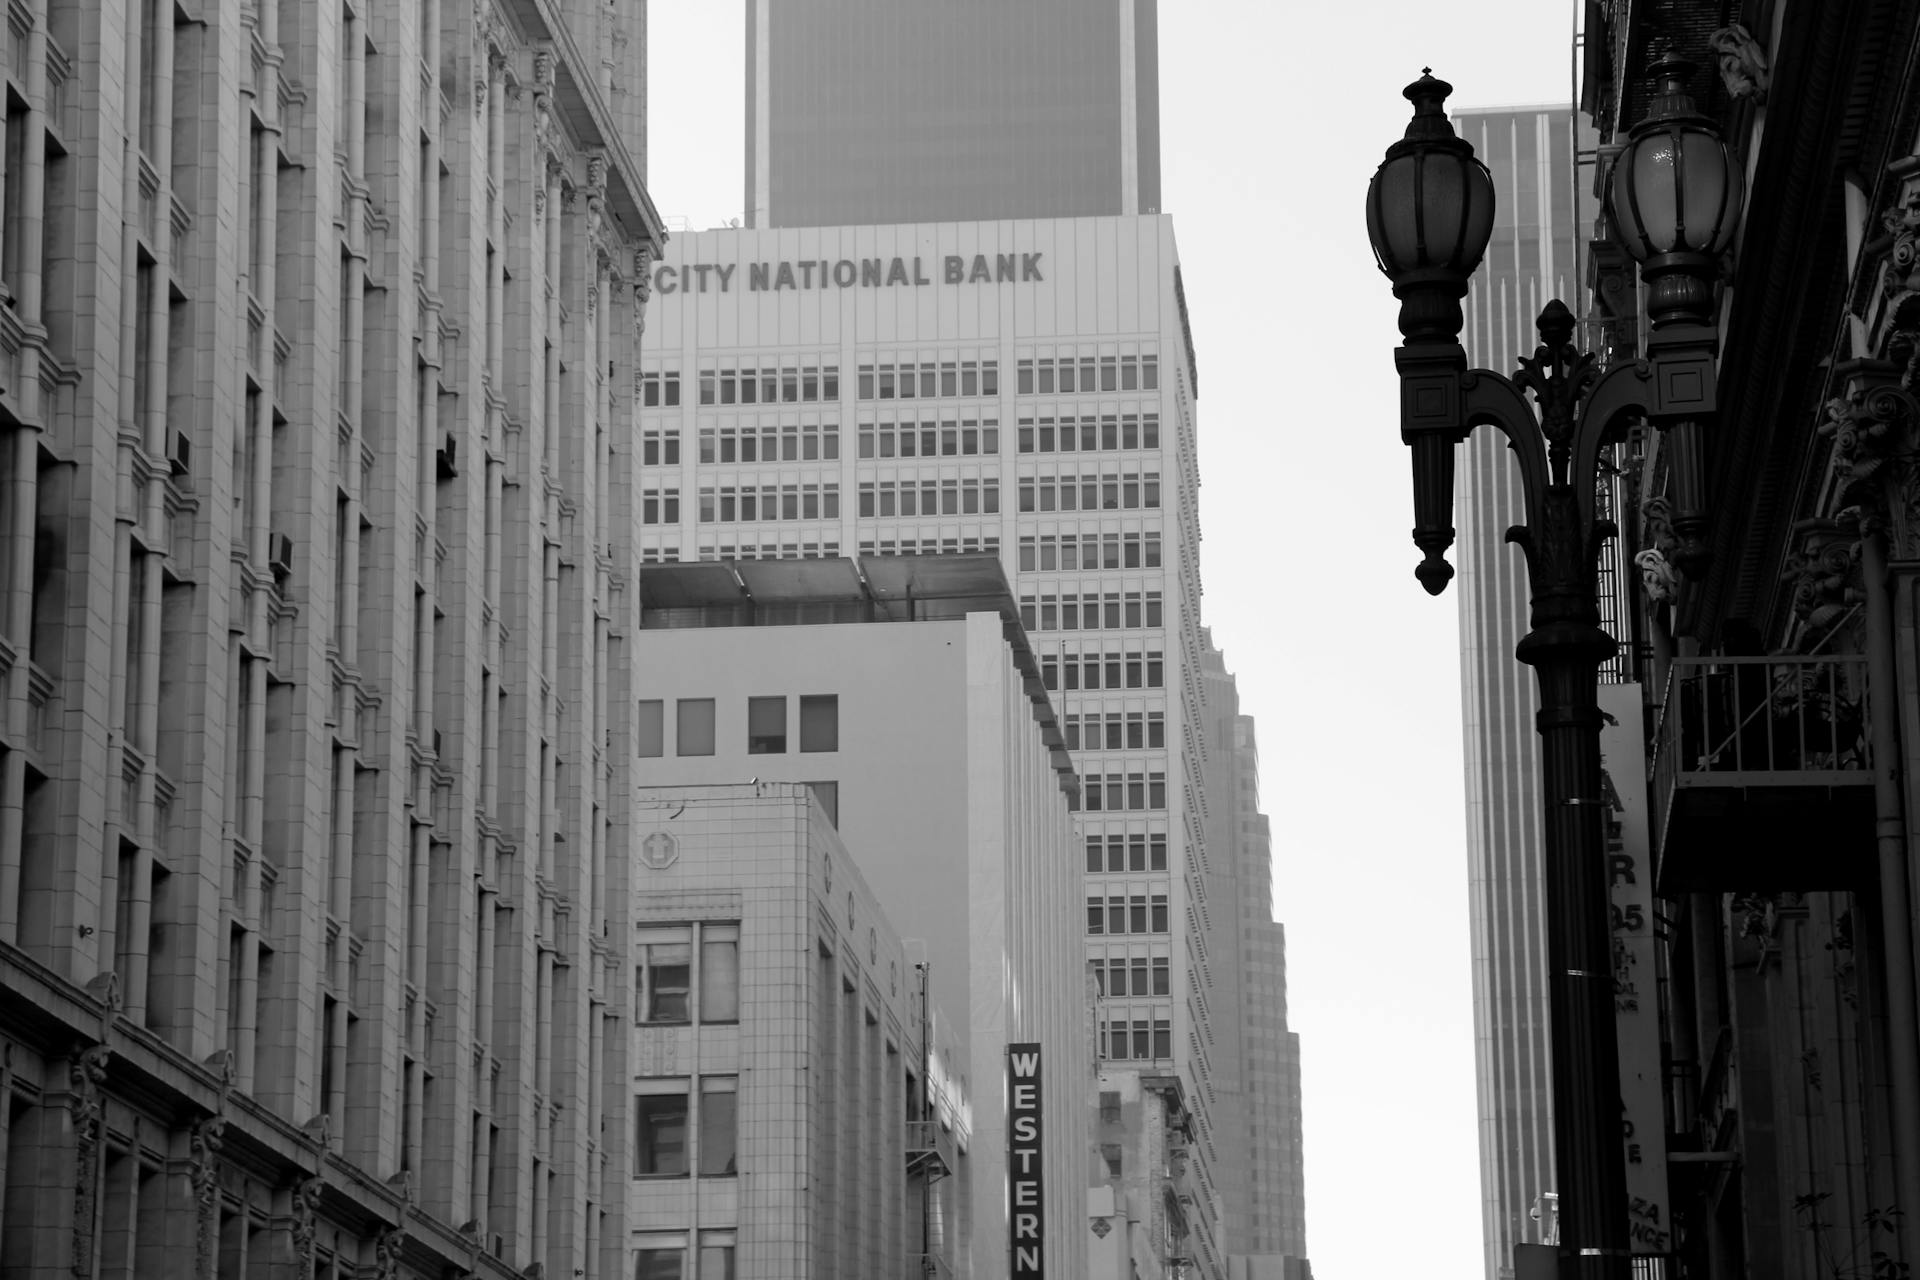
(1111, 491)
(1126, 851)
(1133, 975)
(946, 497)
(668, 989)
(1091, 611)
(686, 1125)
(1127, 913)
(730, 504)
(663, 1256)
(804, 384)
(905, 380)
(929, 546)
(769, 442)
(1067, 552)
(1115, 730)
(1130, 670)
(1071, 375)
(930, 439)
(819, 724)
(1140, 1039)
(767, 551)
(1113, 792)
(766, 723)
(1108, 432)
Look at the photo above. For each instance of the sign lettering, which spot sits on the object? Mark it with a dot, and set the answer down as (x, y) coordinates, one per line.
(848, 273)
(1026, 1193)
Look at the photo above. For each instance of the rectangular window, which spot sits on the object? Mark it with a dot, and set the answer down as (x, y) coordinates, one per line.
(662, 980)
(653, 727)
(693, 727)
(660, 1261)
(1096, 916)
(719, 973)
(660, 1135)
(1162, 977)
(819, 722)
(718, 1131)
(1159, 913)
(766, 726)
(716, 1256)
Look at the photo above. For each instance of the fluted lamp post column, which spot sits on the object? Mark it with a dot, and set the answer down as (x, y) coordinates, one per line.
(1676, 195)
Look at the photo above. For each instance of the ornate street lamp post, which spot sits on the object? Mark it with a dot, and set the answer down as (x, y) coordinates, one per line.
(1675, 198)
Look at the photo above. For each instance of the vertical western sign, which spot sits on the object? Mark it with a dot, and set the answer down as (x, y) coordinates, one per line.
(1026, 1197)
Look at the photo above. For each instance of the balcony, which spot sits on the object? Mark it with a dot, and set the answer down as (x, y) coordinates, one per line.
(1762, 776)
(929, 1150)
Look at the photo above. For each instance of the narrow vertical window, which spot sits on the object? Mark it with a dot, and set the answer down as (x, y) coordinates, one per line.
(693, 728)
(819, 722)
(720, 973)
(653, 725)
(766, 726)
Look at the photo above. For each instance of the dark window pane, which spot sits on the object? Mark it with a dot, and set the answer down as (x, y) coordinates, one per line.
(653, 727)
(766, 726)
(693, 729)
(717, 1146)
(659, 1264)
(666, 967)
(661, 1127)
(819, 722)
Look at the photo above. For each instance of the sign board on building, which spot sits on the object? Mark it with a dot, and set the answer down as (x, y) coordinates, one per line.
(1636, 1001)
(850, 273)
(1026, 1198)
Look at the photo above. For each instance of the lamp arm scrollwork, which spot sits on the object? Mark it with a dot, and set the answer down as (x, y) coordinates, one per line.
(1491, 400)
(1623, 393)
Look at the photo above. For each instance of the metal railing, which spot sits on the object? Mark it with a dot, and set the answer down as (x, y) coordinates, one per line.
(929, 1149)
(1763, 721)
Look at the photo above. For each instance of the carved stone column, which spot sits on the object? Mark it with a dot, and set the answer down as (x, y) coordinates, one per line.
(85, 1074)
(204, 1143)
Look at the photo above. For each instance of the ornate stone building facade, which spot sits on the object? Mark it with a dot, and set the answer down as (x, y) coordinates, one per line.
(316, 362)
(1785, 676)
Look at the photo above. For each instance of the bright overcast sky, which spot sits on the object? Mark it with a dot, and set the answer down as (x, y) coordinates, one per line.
(1274, 114)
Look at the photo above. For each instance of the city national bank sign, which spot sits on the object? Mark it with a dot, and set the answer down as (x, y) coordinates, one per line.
(848, 273)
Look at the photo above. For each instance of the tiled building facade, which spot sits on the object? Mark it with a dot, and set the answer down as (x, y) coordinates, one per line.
(781, 1127)
(318, 347)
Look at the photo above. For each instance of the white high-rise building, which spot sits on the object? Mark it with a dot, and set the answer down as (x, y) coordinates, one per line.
(1532, 258)
(1024, 388)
